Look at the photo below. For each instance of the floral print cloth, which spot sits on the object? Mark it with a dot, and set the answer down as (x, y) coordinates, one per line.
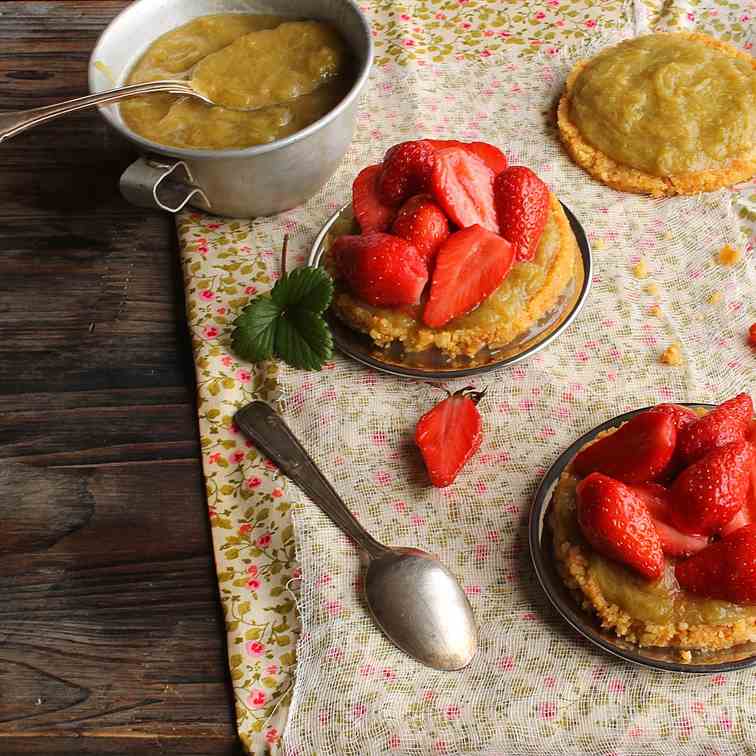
(465, 69)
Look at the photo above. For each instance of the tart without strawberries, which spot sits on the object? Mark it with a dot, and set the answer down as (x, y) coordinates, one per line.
(654, 527)
(456, 250)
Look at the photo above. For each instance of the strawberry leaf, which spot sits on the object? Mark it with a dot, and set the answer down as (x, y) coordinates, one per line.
(303, 339)
(306, 288)
(255, 330)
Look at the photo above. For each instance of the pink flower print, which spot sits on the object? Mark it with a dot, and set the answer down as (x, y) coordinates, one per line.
(323, 717)
(214, 457)
(466, 25)
(581, 356)
(334, 653)
(237, 457)
(220, 310)
(417, 520)
(635, 732)
(405, 17)
(481, 551)
(492, 535)
(488, 33)
(690, 16)
(382, 478)
(528, 616)
(547, 710)
(211, 332)
(549, 681)
(255, 648)
(388, 674)
(480, 487)
(440, 16)
(323, 580)
(485, 53)
(359, 710)
(256, 699)
(296, 573)
(539, 16)
(745, 18)
(252, 482)
(408, 42)
(553, 3)
(399, 506)
(559, 24)
(264, 540)
(748, 46)
(552, 50)
(590, 23)
(429, 695)
(503, 34)
(379, 438)
(440, 747)
(616, 686)
(697, 707)
(226, 361)
(506, 664)
(393, 742)
(272, 735)
(253, 583)
(270, 465)
(244, 375)
(686, 727)
(213, 226)
(725, 722)
(333, 608)
(366, 670)
(452, 711)
(526, 404)
(211, 512)
(250, 289)
(472, 590)
(252, 570)
(271, 669)
(276, 493)
(245, 528)
(207, 294)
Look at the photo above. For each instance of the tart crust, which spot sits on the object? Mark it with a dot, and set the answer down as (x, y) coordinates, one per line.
(469, 341)
(626, 179)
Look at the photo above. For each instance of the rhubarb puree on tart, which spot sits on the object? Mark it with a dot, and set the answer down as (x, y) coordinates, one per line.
(717, 607)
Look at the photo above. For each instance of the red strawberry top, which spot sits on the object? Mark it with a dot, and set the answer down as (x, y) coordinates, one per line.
(432, 194)
(703, 512)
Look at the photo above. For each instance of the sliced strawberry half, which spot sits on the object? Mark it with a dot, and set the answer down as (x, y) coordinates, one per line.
(421, 222)
(724, 570)
(638, 452)
(491, 155)
(370, 212)
(709, 493)
(380, 269)
(657, 501)
(407, 170)
(462, 184)
(617, 524)
(449, 434)
(728, 422)
(470, 266)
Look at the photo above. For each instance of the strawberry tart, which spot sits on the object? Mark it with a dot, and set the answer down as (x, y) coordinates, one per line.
(654, 527)
(452, 249)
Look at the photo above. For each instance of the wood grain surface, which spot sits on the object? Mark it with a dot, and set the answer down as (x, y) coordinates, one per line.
(111, 639)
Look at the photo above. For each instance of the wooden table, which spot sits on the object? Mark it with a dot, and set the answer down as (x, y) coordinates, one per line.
(111, 638)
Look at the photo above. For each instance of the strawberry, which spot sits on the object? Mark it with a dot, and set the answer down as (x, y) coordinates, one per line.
(638, 452)
(682, 417)
(407, 170)
(657, 501)
(522, 208)
(462, 184)
(728, 422)
(449, 434)
(492, 156)
(470, 265)
(370, 212)
(381, 269)
(709, 493)
(421, 222)
(617, 524)
(725, 570)
(752, 336)
(747, 513)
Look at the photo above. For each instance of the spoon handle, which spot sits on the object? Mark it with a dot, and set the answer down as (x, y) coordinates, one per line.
(14, 122)
(270, 433)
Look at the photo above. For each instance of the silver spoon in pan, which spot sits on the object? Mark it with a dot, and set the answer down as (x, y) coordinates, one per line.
(412, 597)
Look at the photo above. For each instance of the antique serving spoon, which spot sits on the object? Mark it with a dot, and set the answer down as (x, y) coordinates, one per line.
(413, 598)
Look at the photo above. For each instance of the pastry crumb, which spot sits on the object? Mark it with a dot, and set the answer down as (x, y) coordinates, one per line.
(728, 255)
(655, 311)
(671, 355)
(685, 655)
(599, 244)
(651, 288)
(640, 269)
(715, 297)
(667, 235)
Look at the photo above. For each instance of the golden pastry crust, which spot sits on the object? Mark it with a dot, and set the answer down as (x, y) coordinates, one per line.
(469, 341)
(599, 165)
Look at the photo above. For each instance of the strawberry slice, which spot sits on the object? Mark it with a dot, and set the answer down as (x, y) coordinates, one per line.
(462, 184)
(658, 503)
(522, 209)
(617, 524)
(421, 222)
(725, 570)
(449, 434)
(381, 269)
(470, 266)
(492, 156)
(638, 452)
(728, 422)
(709, 493)
(407, 170)
(370, 212)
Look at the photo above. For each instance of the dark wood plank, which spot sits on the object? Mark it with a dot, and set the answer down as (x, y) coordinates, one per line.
(111, 639)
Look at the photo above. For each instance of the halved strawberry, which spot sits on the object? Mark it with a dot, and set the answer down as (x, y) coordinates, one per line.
(421, 222)
(709, 493)
(370, 212)
(657, 501)
(470, 265)
(522, 209)
(638, 452)
(462, 184)
(407, 170)
(381, 269)
(617, 524)
(449, 434)
(682, 417)
(492, 156)
(747, 512)
(725, 570)
(728, 422)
